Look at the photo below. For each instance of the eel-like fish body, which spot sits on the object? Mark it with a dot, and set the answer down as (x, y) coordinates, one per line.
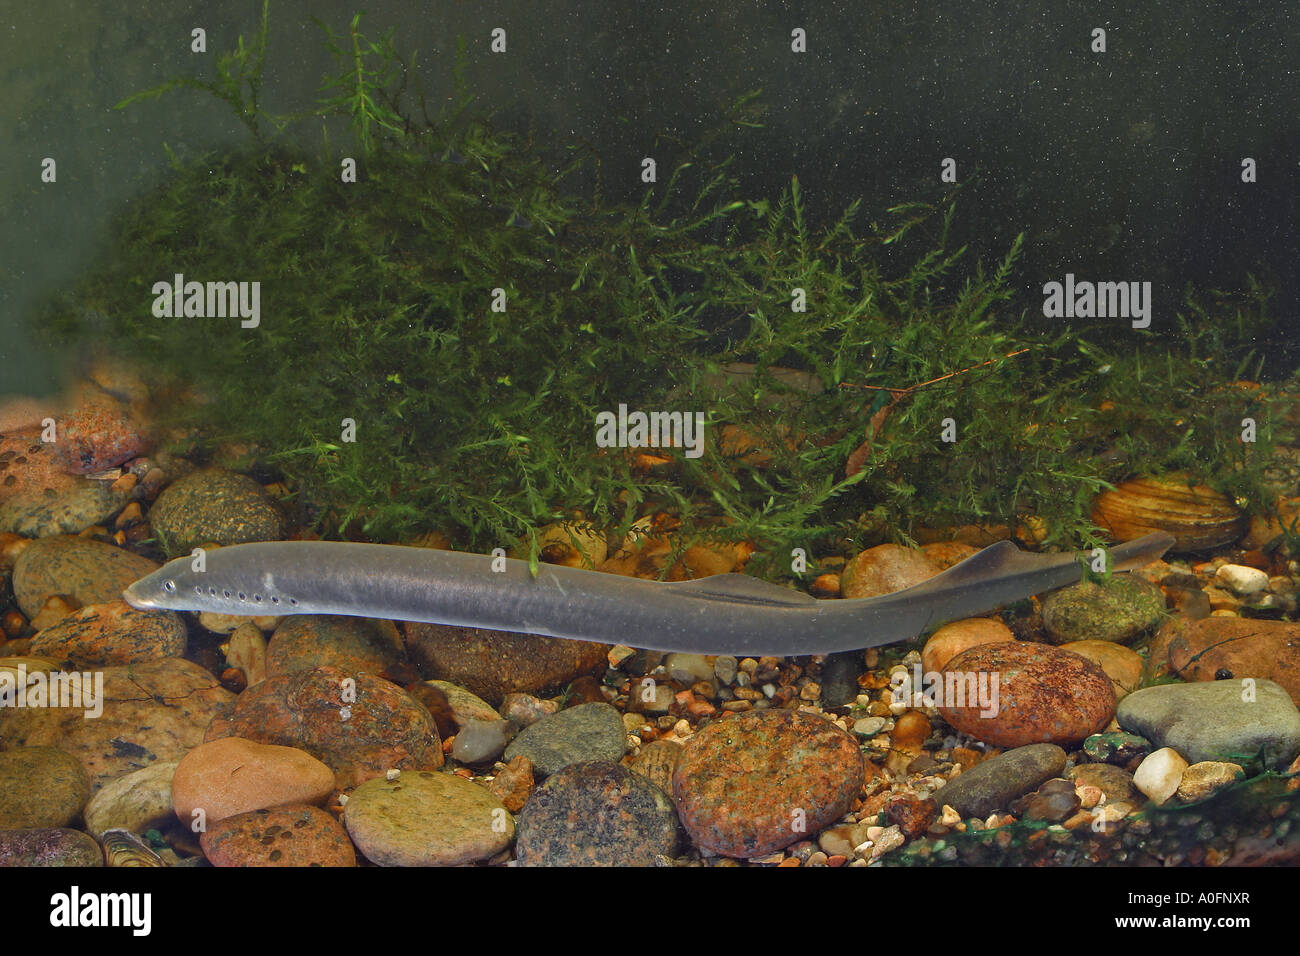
(724, 614)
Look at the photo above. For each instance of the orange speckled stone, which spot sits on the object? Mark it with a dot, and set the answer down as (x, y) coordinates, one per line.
(1044, 695)
(286, 836)
(755, 782)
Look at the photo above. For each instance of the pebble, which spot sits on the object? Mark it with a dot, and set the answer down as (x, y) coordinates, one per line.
(912, 814)
(1204, 779)
(49, 847)
(524, 710)
(87, 571)
(352, 644)
(580, 734)
(1159, 774)
(1220, 647)
(377, 727)
(97, 436)
(868, 727)
(657, 761)
(1119, 609)
(77, 504)
(752, 783)
(492, 664)
(424, 818)
(104, 635)
(951, 639)
(513, 784)
(229, 623)
(885, 569)
(1122, 665)
(1043, 694)
(482, 741)
(246, 650)
(688, 668)
(214, 506)
(1055, 801)
(995, 783)
(1116, 747)
(1211, 721)
(233, 775)
(41, 787)
(153, 711)
(1115, 782)
(597, 814)
(135, 802)
(725, 668)
(1241, 580)
(283, 836)
(464, 706)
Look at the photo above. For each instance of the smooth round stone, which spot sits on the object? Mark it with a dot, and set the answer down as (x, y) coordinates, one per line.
(493, 664)
(1122, 665)
(215, 506)
(1226, 720)
(1043, 695)
(583, 733)
(135, 802)
(1159, 774)
(951, 639)
(464, 705)
(152, 711)
(284, 836)
(49, 847)
(423, 818)
(78, 504)
(359, 733)
(1241, 580)
(754, 782)
(233, 775)
(105, 635)
(996, 783)
(885, 569)
(1219, 647)
(1115, 782)
(87, 571)
(41, 787)
(480, 741)
(597, 814)
(1120, 610)
(688, 669)
(1205, 779)
(657, 761)
(352, 644)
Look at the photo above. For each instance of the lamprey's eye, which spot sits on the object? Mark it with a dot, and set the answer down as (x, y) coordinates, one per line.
(169, 586)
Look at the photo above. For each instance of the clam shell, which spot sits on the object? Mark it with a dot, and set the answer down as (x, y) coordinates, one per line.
(1198, 517)
(124, 848)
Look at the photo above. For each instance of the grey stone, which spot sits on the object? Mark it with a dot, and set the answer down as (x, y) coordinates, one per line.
(1210, 720)
(88, 502)
(478, 741)
(995, 783)
(586, 732)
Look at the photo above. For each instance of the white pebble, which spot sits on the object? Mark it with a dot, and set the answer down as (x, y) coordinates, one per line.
(1240, 579)
(1159, 774)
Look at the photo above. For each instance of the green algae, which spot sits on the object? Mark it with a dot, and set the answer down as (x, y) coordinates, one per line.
(383, 306)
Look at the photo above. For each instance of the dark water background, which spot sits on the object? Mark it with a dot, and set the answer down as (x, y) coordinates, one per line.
(1120, 166)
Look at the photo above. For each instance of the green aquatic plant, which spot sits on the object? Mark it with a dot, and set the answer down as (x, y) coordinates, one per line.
(471, 303)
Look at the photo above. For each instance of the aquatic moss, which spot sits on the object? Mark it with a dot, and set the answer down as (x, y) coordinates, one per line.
(378, 307)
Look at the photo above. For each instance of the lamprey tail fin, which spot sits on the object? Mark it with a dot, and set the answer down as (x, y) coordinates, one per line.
(742, 589)
(1140, 551)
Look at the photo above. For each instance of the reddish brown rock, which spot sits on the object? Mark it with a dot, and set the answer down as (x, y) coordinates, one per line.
(1232, 647)
(360, 725)
(233, 775)
(751, 783)
(947, 553)
(97, 436)
(910, 813)
(513, 784)
(104, 635)
(286, 836)
(156, 710)
(352, 644)
(1043, 694)
(885, 569)
(492, 664)
(951, 639)
(88, 571)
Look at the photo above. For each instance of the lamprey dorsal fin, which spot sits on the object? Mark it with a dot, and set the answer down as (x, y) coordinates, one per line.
(742, 589)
